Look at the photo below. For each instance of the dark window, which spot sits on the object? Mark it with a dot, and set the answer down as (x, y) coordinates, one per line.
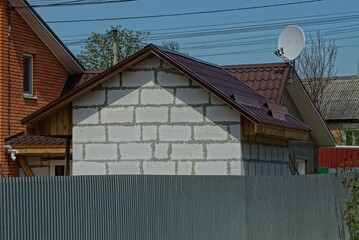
(59, 170)
(28, 74)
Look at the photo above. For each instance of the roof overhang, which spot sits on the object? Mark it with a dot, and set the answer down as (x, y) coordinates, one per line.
(309, 112)
(49, 38)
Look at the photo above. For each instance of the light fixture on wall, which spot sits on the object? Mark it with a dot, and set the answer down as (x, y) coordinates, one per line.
(12, 152)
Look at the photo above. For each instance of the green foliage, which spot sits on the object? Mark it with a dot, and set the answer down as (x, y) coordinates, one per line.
(350, 181)
(171, 45)
(98, 51)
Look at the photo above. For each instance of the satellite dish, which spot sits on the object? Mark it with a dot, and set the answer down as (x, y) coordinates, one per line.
(291, 43)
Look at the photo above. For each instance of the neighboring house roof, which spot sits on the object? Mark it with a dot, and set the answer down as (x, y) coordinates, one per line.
(267, 79)
(341, 99)
(45, 33)
(215, 79)
(272, 80)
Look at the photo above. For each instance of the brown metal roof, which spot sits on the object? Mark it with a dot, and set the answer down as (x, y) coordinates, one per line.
(214, 78)
(26, 139)
(267, 79)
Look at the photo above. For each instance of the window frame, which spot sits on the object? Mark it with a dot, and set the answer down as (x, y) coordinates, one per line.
(29, 93)
(53, 164)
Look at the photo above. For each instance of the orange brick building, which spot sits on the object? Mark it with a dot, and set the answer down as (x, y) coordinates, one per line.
(34, 67)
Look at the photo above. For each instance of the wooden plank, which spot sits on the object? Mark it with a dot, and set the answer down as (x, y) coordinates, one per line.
(45, 151)
(25, 166)
(249, 128)
(282, 132)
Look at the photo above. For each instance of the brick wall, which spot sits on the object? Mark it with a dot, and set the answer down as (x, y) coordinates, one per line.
(48, 73)
(153, 120)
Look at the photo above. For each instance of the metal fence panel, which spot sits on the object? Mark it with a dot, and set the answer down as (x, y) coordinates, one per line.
(171, 207)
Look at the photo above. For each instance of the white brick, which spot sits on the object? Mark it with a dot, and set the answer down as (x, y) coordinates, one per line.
(210, 132)
(152, 114)
(77, 152)
(210, 168)
(215, 100)
(85, 116)
(159, 168)
(148, 63)
(124, 133)
(224, 151)
(186, 114)
(113, 82)
(117, 115)
(101, 151)
(132, 167)
(175, 133)
(149, 133)
(192, 96)
(136, 151)
(161, 151)
(235, 132)
(88, 168)
(222, 114)
(187, 151)
(123, 97)
(237, 168)
(40, 171)
(185, 168)
(171, 80)
(138, 78)
(157, 96)
(89, 134)
(91, 98)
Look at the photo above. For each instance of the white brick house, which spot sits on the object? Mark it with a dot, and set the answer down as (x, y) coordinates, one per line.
(160, 112)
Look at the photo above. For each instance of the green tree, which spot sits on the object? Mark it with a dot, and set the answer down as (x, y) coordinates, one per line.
(350, 181)
(98, 51)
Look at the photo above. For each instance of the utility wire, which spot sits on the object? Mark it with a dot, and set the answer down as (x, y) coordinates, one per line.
(183, 14)
(77, 3)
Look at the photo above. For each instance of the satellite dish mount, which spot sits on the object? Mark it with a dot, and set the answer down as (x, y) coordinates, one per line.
(291, 43)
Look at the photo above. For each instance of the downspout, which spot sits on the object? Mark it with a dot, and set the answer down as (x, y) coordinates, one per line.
(8, 67)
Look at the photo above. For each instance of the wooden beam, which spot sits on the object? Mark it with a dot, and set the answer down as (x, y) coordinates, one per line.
(282, 132)
(249, 128)
(25, 166)
(42, 151)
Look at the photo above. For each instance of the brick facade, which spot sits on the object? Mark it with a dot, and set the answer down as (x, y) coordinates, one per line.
(49, 77)
(151, 119)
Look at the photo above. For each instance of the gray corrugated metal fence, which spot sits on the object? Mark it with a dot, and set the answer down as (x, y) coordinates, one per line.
(171, 207)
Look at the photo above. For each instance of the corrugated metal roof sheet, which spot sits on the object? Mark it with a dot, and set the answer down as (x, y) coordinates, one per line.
(341, 99)
(231, 85)
(267, 79)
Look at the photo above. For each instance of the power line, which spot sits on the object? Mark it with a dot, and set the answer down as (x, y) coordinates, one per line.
(184, 14)
(77, 3)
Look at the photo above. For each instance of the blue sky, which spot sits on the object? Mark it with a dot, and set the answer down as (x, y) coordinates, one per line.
(233, 37)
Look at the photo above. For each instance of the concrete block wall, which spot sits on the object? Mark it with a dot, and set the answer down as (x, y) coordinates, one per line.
(39, 166)
(153, 120)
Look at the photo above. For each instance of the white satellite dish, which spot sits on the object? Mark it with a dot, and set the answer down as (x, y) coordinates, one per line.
(291, 43)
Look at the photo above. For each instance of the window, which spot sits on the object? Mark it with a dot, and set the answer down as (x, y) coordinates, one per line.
(57, 167)
(28, 74)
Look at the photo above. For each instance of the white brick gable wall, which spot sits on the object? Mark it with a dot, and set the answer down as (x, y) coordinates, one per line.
(153, 120)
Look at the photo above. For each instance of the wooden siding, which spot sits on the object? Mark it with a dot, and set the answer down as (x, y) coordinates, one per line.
(59, 123)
